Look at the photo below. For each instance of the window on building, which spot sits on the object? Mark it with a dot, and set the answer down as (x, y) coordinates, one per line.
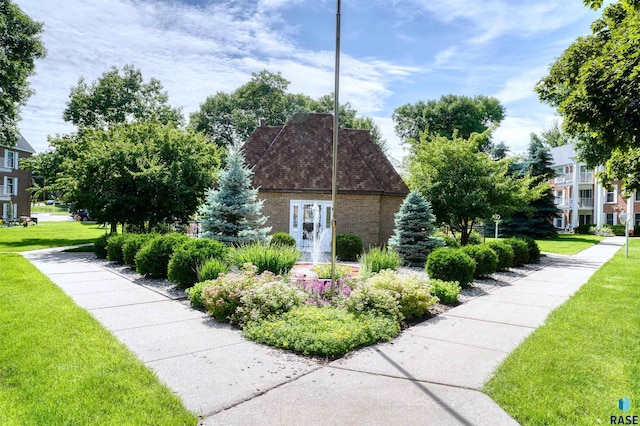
(10, 185)
(637, 220)
(610, 196)
(10, 159)
(585, 219)
(610, 219)
(557, 222)
(637, 197)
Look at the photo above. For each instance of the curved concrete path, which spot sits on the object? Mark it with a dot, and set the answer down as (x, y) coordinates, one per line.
(429, 375)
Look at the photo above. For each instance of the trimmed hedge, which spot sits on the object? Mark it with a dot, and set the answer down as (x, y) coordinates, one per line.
(451, 265)
(504, 252)
(486, 259)
(100, 246)
(132, 245)
(534, 249)
(114, 248)
(348, 247)
(585, 229)
(153, 258)
(283, 239)
(191, 255)
(520, 251)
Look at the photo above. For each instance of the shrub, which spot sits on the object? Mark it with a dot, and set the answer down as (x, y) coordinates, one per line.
(114, 248)
(451, 265)
(376, 301)
(413, 228)
(520, 250)
(475, 238)
(323, 270)
(605, 231)
(132, 246)
(328, 331)
(276, 259)
(283, 239)
(450, 241)
(221, 296)
(100, 246)
(324, 292)
(534, 250)
(585, 229)
(378, 259)
(618, 230)
(195, 294)
(504, 252)
(211, 269)
(410, 291)
(446, 291)
(348, 247)
(189, 256)
(267, 299)
(486, 259)
(153, 257)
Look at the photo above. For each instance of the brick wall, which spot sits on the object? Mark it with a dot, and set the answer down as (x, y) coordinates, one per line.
(368, 216)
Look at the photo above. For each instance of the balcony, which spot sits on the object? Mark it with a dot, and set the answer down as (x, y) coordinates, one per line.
(564, 180)
(585, 203)
(567, 203)
(586, 177)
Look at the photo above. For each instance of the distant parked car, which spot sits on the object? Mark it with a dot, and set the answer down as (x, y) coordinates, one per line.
(82, 215)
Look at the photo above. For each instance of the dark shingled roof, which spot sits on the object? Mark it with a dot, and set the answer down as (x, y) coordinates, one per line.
(297, 157)
(23, 145)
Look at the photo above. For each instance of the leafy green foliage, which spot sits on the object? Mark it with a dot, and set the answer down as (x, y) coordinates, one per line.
(322, 331)
(211, 269)
(276, 259)
(486, 259)
(21, 46)
(232, 212)
(534, 250)
(189, 256)
(410, 291)
(378, 259)
(153, 258)
(446, 291)
(132, 245)
(413, 228)
(594, 86)
(117, 99)
(323, 270)
(283, 239)
(376, 301)
(194, 294)
(100, 246)
(504, 252)
(114, 248)
(618, 230)
(465, 186)
(585, 228)
(348, 247)
(520, 250)
(451, 265)
(268, 299)
(448, 116)
(450, 241)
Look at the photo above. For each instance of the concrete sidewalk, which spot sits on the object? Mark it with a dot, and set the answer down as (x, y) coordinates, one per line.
(430, 374)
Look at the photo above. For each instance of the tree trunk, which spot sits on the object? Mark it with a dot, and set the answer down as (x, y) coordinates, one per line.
(114, 227)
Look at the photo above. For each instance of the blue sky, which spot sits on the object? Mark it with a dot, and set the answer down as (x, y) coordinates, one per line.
(393, 52)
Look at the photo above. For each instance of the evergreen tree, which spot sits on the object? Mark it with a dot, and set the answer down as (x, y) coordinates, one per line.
(414, 226)
(536, 220)
(232, 212)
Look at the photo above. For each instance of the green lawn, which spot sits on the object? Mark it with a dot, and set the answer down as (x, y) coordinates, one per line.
(58, 366)
(48, 234)
(573, 370)
(56, 210)
(568, 243)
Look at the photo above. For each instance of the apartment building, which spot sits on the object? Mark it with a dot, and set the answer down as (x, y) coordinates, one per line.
(15, 200)
(583, 200)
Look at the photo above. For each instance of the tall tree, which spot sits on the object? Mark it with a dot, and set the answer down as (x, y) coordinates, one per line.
(554, 136)
(232, 213)
(536, 219)
(447, 116)
(594, 85)
(463, 185)
(20, 46)
(139, 173)
(117, 98)
(230, 118)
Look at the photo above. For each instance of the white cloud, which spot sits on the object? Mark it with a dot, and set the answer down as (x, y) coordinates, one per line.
(194, 51)
(521, 86)
(516, 131)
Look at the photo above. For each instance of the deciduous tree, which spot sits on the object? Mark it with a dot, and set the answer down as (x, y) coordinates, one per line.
(20, 46)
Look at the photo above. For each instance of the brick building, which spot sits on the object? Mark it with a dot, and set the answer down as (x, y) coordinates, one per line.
(583, 200)
(292, 167)
(15, 200)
